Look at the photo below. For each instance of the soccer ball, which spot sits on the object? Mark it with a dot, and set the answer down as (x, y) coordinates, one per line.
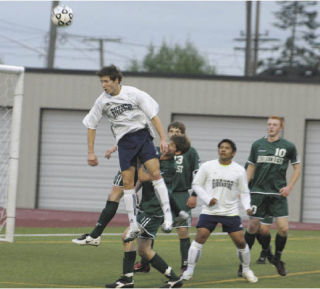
(62, 15)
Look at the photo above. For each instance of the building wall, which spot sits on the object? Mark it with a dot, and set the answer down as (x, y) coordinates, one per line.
(296, 102)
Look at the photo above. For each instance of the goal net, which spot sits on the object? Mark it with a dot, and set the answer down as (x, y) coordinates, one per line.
(11, 94)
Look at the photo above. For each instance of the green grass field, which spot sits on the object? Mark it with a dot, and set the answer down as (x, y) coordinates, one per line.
(53, 261)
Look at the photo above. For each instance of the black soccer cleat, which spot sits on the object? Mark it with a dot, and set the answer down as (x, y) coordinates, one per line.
(280, 267)
(262, 257)
(122, 282)
(173, 283)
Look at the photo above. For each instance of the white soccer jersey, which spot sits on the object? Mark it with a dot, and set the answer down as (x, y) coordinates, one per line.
(226, 183)
(129, 111)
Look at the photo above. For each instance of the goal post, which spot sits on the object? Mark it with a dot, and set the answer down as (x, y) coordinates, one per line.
(11, 96)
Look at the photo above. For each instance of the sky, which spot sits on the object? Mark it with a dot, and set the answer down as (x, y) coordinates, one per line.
(211, 26)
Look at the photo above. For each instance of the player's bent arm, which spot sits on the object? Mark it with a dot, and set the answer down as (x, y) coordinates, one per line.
(202, 193)
(250, 171)
(159, 128)
(296, 173)
(110, 151)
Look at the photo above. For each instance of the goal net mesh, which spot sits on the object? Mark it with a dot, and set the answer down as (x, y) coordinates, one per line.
(8, 82)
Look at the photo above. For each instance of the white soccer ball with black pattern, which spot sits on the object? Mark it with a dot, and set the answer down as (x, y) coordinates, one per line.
(62, 15)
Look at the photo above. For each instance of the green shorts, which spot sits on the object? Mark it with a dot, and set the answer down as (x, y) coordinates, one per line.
(150, 225)
(269, 205)
(267, 220)
(181, 199)
(117, 181)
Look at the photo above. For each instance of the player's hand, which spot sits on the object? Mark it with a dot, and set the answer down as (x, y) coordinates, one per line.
(213, 202)
(192, 202)
(249, 212)
(110, 151)
(92, 160)
(163, 147)
(284, 192)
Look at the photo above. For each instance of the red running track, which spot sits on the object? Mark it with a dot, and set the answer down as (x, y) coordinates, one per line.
(66, 219)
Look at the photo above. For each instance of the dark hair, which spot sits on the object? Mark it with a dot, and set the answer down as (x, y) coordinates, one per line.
(179, 125)
(182, 143)
(112, 71)
(230, 142)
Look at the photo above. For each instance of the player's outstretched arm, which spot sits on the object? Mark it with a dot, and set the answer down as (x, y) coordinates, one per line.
(92, 158)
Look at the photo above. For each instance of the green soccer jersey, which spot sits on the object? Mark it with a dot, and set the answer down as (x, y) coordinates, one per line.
(271, 161)
(149, 203)
(187, 165)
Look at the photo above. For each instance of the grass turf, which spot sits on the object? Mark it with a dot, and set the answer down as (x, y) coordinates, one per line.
(55, 262)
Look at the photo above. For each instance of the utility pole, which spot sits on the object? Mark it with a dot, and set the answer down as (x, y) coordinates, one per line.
(251, 61)
(52, 40)
(101, 45)
(248, 40)
(256, 40)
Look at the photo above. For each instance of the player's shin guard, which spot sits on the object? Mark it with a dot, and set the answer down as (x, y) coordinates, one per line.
(280, 244)
(194, 254)
(249, 239)
(130, 202)
(105, 217)
(161, 191)
(244, 256)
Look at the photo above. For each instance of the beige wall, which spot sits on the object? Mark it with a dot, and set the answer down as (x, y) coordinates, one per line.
(295, 102)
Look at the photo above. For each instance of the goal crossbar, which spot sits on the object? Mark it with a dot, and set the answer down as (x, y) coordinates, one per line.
(14, 149)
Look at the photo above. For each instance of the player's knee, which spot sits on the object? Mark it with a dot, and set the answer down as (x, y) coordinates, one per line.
(116, 194)
(253, 226)
(240, 244)
(264, 231)
(283, 230)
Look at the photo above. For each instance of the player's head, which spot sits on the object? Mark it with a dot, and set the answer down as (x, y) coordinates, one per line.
(110, 77)
(179, 144)
(226, 150)
(176, 128)
(275, 126)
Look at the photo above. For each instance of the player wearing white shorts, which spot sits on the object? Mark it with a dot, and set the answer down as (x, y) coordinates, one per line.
(222, 185)
(132, 113)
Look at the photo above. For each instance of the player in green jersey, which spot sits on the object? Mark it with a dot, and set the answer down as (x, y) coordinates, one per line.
(268, 162)
(150, 217)
(112, 204)
(187, 165)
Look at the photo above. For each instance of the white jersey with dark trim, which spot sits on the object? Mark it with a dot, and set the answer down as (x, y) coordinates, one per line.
(226, 183)
(129, 111)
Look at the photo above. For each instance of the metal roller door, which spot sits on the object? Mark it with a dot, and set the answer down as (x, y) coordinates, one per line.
(65, 180)
(205, 132)
(311, 178)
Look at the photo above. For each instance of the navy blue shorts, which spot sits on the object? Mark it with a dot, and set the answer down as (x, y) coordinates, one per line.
(229, 224)
(136, 145)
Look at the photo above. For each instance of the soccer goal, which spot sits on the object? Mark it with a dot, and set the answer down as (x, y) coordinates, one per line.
(11, 95)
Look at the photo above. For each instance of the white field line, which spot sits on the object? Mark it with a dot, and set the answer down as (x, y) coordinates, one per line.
(105, 234)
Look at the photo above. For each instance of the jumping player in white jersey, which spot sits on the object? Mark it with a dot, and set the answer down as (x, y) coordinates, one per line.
(132, 113)
(220, 183)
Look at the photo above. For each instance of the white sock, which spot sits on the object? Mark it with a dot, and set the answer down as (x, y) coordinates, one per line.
(130, 203)
(161, 191)
(244, 256)
(194, 254)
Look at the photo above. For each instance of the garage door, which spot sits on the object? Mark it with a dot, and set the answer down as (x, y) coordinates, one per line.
(206, 132)
(311, 178)
(66, 182)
